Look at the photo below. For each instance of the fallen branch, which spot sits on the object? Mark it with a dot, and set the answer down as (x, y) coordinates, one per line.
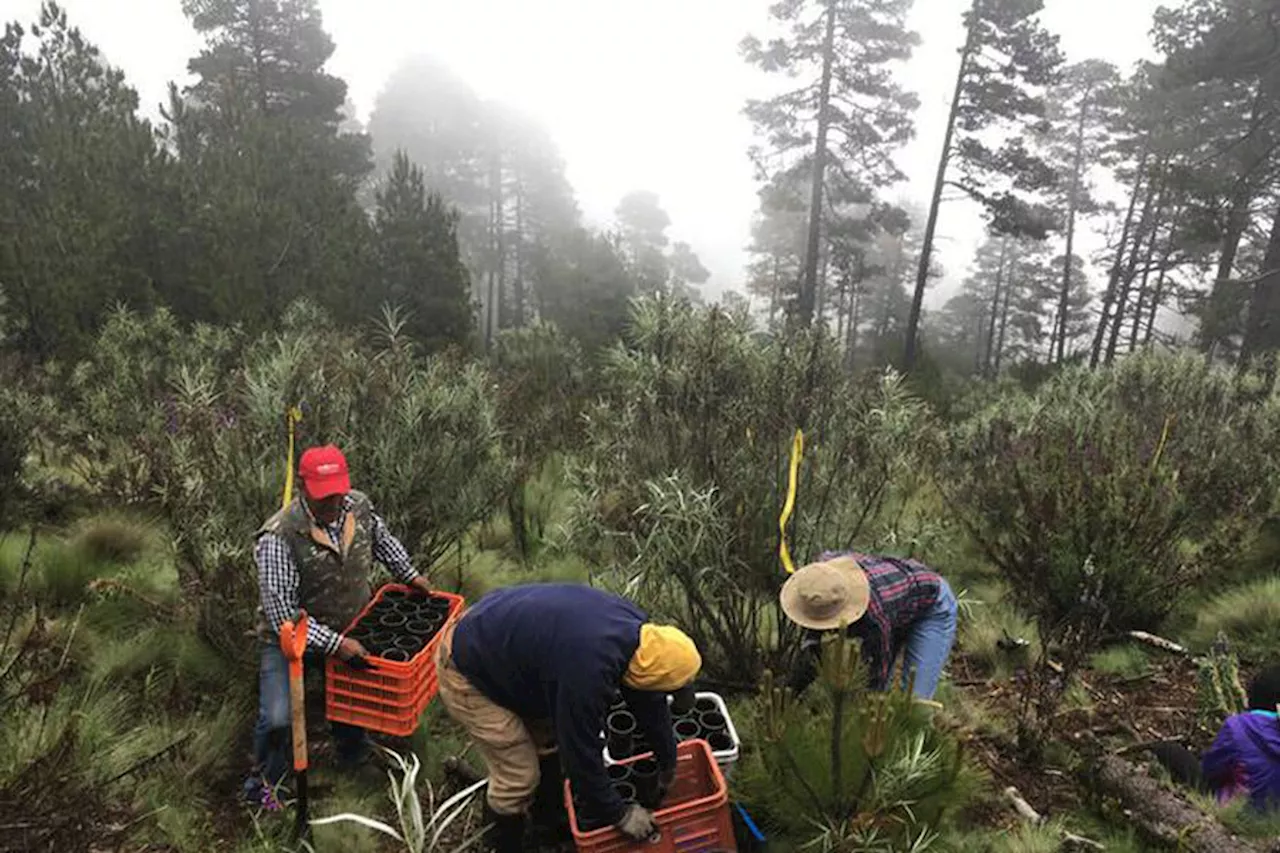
(1159, 643)
(1071, 841)
(1147, 744)
(1162, 814)
(1022, 807)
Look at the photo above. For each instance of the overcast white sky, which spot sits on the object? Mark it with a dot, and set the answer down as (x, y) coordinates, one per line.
(638, 93)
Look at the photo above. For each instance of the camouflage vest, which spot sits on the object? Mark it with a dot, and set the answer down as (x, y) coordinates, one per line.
(334, 578)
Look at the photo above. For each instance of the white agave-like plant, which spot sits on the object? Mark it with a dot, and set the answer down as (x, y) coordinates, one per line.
(420, 830)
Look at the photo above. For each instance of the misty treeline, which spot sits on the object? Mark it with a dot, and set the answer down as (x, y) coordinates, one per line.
(1188, 145)
(258, 186)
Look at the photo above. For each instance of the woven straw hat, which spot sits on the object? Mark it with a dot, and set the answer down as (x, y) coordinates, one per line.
(822, 595)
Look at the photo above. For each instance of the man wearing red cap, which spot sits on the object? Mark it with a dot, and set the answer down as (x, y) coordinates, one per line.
(316, 554)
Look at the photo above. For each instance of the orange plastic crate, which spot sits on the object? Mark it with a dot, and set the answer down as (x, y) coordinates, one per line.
(392, 696)
(697, 821)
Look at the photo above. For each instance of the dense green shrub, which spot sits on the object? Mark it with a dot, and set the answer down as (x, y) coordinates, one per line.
(1106, 494)
(541, 388)
(848, 769)
(193, 423)
(685, 466)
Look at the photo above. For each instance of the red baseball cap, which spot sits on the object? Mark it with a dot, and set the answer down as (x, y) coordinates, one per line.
(323, 471)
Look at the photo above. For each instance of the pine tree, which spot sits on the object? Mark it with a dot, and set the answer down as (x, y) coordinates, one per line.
(265, 59)
(419, 265)
(269, 179)
(1006, 61)
(78, 172)
(643, 224)
(1080, 113)
(846, 115)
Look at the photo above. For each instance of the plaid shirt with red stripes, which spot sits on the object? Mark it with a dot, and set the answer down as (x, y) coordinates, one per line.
(902, 591)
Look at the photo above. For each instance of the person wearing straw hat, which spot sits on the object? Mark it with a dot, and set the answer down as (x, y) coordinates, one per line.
(892, 606)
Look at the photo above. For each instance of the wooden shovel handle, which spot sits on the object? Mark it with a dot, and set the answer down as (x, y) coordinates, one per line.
(293, 642)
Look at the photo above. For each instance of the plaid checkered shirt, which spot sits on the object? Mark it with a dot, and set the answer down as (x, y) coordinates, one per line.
(902, 591)
(278, 576)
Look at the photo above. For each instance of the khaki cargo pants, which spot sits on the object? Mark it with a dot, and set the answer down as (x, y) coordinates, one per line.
(510, 746)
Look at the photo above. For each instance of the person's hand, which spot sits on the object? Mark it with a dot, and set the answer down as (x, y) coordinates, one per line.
(353, 654)
(637, 823)
(421, 584)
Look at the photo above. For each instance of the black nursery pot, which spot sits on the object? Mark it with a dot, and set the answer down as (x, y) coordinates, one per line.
(644, 776)
(686, 729)
(379, 639)
(712, 721)
(408, 643)
(420, 627)
(618, 773)
(621, 726)
(705, 704)
(395, 595)
(396, 654)
(392, 620)
(438, 605)
(625, 790)
(719, 741)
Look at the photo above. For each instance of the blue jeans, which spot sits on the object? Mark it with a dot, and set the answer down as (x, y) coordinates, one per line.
(929, 644)
(273, 734)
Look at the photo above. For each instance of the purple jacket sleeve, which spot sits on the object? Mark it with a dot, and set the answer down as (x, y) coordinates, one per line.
(1218, 764)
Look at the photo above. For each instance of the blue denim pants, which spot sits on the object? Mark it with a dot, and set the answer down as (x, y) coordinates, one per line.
(928, 644)
(273, 735)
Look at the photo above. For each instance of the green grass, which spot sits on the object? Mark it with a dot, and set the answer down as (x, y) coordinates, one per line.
(993, 623)
(1126, 661)
(1249, 616)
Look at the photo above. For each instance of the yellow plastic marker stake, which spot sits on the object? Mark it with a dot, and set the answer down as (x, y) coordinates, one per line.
(797, 450)
(294, 415)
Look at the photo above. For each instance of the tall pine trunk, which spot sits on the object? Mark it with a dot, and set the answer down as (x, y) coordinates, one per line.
(517, 285)
(809, 284)
(931, 224)
(1064, 295)
(997, 292)
(1113, 279)
(1004, 316)
(1151, 210)
(1262, 331)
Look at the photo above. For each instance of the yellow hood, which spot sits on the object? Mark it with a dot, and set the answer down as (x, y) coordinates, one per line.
(666, 660)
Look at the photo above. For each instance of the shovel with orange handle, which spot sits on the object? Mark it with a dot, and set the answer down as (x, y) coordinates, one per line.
(293, 642)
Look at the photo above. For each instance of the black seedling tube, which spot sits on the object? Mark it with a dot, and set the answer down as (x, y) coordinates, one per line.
(420, 627)
(396, 654)
(719, 741)
(712, 721)
(392, 620)
(686, 729)
(705, 704)
(625, 790)
(621, 725)
(644, 776)
(394, 595)
(618, 772)
(439, 605)
(408, 643)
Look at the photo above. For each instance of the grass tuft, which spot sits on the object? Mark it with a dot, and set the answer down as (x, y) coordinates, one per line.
(987, 636)
(113, 539)
(1249, 615)
(1125, 661)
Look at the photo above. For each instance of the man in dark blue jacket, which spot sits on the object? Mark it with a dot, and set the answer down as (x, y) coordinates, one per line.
(532, 668)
